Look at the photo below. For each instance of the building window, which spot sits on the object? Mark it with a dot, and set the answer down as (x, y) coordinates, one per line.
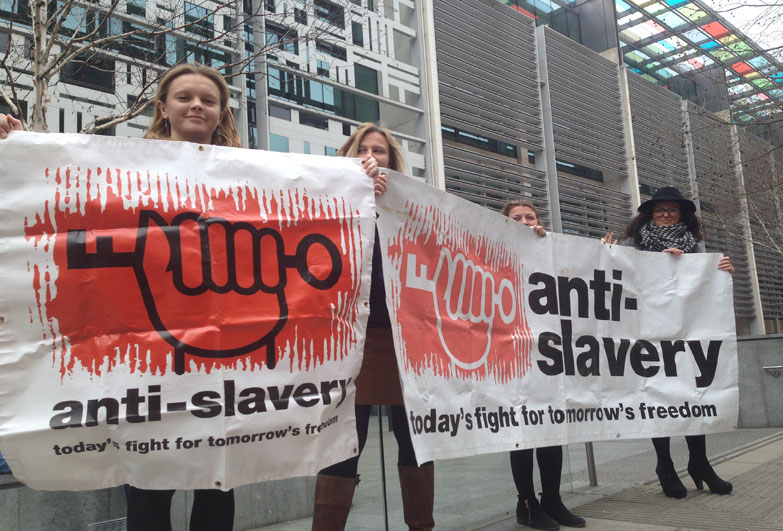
(579, 171)
(346, 129)
(137, 7)
(278, 143)
(276, 111)
(269, 5)
(98, 74)
(330, 151)
(358, 33)
(476, 140)
(313, 120)
(78, 122)
(366, 78)
(330, 12)
(307, 148)
(313, 93)
(199, 20)
(331, 49)
(300, 16)
(62, 121)
(322, 68)
(283, 38)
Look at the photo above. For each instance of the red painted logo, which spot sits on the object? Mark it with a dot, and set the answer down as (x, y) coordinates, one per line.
(462, 300)
(159, 273)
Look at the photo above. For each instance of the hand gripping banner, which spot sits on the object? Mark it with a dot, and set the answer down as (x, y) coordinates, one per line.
(506, 340)
(177, 315)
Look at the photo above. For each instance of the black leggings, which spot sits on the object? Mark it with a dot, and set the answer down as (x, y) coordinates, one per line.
(405, 454)
(550, 465)
(697, 447)
(150, 510)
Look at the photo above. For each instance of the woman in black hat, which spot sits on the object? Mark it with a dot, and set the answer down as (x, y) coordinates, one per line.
(668, 223)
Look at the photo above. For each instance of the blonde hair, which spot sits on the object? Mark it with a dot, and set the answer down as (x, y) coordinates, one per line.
(513, 204)
(226, 133)
(351, 146)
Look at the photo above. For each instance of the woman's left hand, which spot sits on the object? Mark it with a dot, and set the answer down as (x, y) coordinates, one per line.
(540, 230)
(372, 170)
(726, 265)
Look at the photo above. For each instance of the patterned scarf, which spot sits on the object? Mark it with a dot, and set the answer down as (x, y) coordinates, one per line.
(657, 238)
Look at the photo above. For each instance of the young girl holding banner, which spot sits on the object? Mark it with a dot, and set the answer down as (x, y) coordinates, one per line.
(378, 383)
(668, 223)
(550, 513)
(192, 106)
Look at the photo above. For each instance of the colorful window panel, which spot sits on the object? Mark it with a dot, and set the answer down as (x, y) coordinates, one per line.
(655, 8)
(692, 12)
(696, 36)
(671, 20)
(716, 29)
(758, 63)
(741, 68)
(629, 18)
(763, 83)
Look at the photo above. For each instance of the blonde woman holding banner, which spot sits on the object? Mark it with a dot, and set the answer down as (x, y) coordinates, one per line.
(550, 513)
(378, 382)
(191, 106)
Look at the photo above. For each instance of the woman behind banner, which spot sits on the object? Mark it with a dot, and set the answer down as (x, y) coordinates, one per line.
(192, 106)
(668, 223)
(378, 383)
(550, 513)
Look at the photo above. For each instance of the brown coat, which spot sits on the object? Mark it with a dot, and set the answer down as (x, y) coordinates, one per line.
(378, 382)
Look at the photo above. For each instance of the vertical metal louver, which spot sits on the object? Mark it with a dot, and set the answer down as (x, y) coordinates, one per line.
(586, 106)
(587, 126)
(661, 159)
(488, 81)
(720, 205)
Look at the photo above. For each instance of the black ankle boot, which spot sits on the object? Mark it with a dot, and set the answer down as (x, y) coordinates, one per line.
(670, 481)
(529, 513)
(701, 471)
(553, 506)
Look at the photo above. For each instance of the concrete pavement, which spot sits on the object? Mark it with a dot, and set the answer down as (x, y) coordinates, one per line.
(478, 492)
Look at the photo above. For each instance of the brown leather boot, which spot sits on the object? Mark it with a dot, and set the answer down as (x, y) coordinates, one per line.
(417, 484)
(333, 497)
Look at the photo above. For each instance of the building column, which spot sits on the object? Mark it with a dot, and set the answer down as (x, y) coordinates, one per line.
(757, 323)
(630, 185)
(546, 161)
(428, 69)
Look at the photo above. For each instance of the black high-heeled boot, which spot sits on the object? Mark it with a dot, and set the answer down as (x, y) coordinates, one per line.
(670, 481)
(701, 471)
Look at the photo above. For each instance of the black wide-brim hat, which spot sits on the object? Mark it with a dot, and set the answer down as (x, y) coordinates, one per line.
(671, 194)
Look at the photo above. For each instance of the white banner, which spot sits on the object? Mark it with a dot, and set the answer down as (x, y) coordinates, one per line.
(508, 341)
(177, 315)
